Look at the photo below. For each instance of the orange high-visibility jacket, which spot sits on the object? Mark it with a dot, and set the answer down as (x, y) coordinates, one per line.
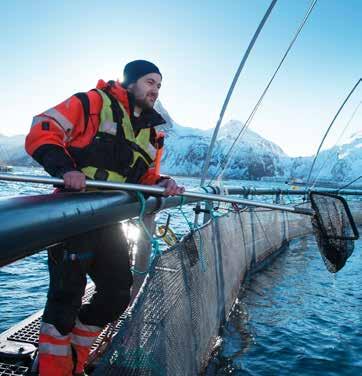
(58, 135)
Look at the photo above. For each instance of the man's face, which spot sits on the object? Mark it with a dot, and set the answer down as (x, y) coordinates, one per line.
(146, 90)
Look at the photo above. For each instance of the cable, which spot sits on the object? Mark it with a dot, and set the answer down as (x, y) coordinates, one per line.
(251, 116)
(350, 183)
(339, 138)
(231, 89)
(329, 128)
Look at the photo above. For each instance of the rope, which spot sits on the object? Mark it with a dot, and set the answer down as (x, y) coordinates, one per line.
(208, 205)
(193, 228)
(155, 246)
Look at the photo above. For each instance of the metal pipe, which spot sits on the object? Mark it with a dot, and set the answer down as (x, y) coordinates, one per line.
(329, 128)
(224, 164)
(235, 190)
(32, 223)
(231, 89)
(232, 190)
(155, 190)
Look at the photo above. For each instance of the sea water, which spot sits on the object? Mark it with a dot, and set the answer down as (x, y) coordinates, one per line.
(296, 318)
(292, 318)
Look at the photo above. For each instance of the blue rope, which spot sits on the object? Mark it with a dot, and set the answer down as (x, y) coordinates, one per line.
(194, 228)
(155, 246)
(210, 207)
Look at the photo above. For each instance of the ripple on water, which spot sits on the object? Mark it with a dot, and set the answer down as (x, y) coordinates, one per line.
(23, 287)
(302, 319)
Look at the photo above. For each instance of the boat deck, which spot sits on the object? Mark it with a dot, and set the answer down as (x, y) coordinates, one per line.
(19, 343)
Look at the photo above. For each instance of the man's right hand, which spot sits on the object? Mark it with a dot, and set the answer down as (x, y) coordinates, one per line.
(74, 180)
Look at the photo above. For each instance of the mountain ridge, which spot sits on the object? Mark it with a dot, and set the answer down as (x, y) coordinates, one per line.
(253, 157)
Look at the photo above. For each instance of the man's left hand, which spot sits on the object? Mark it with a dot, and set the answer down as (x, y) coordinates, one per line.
(171, 187)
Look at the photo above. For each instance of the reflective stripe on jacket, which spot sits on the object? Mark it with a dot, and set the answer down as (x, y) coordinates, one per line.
(66, 128)
(127, 154)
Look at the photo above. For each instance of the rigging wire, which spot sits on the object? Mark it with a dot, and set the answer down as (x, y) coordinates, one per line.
(350, 183)
(339, 138)
(224, 163)
(328, 129)
(231, 89)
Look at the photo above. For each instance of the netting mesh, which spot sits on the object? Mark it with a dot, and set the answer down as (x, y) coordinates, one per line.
(334, 229)
(174, 322)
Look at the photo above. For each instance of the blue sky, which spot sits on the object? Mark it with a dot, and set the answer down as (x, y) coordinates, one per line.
(52, 49)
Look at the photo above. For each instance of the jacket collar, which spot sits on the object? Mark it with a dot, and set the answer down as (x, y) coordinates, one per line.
(149, 118)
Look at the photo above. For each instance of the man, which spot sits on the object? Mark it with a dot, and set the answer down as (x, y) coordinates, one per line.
(109, 134)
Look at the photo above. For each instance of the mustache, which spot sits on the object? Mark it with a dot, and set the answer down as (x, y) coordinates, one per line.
(153, 96)
(145, 102)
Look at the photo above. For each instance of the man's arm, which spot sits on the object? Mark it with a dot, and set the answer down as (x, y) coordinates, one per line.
(50, 133)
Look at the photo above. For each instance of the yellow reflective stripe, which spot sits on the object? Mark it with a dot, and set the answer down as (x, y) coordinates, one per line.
(85, 327)
(137, 155)
(90, 172)
(127, 125)
(60, 119)
(107, 123)
(83, 340)
(143, 141)
(57, 350)
(143, 138)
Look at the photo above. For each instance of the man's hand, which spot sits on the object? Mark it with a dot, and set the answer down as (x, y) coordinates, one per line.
(74, 180)
(172, 188)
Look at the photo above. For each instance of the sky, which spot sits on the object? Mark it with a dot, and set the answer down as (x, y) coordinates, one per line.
(53, 49)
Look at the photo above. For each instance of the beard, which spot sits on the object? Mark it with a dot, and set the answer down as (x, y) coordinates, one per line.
(144, 99)
(145, 103)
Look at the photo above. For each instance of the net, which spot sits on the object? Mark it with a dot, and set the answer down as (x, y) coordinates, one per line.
(334, 229)
(174, 322)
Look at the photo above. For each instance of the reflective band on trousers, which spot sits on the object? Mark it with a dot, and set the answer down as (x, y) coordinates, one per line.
(51, 330)
(82, 340)
(85, 327)
(61, 120)
(57, 350)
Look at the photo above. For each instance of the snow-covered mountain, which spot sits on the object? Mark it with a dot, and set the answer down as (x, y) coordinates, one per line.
(339, 163)
(253, 157)
(12, 151)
